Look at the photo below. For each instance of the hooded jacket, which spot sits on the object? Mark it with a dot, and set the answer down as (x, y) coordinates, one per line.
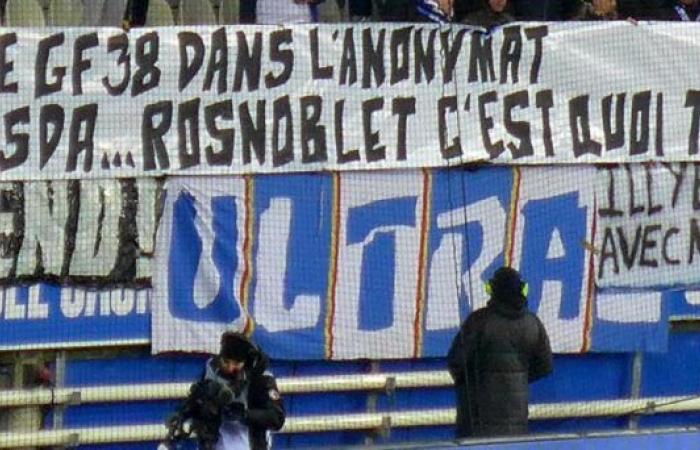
(257, 389)
(498, 351)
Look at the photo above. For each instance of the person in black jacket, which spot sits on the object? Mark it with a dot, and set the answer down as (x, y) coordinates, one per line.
(498, 351)
(235, 404)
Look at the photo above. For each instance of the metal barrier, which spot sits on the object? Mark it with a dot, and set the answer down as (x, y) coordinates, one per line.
(304, 424)
(167, 391)
(356, 422)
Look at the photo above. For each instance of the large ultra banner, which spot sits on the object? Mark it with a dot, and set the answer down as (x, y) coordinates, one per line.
(345, 265)
(382, 265)
(83, 103)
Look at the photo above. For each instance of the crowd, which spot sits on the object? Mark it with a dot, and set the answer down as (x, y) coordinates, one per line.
(483, 13)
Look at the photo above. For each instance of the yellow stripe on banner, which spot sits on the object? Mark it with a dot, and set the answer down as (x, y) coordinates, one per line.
(246, 279)
(513, 217)
(590, 287)
(422, 263)
(333, 266)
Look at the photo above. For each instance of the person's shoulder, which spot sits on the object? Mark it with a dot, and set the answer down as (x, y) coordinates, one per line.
(476, 316)
(533, 319)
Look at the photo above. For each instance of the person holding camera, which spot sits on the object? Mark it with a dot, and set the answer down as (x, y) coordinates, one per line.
(235, 404)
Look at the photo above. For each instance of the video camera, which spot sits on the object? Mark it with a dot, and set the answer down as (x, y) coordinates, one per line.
(208, 402)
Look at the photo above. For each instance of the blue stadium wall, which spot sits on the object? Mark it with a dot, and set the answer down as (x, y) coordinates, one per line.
(576, 378)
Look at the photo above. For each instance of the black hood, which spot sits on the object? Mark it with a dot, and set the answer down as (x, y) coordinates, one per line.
(238, 346)
(507, 293)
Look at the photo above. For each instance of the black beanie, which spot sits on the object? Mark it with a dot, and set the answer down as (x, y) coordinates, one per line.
(235, 346)
(507, 285)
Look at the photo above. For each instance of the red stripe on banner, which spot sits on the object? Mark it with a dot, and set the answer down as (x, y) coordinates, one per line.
(590, 286)
(422, 264)
(247, 252)
(333, 267)
(514, 201)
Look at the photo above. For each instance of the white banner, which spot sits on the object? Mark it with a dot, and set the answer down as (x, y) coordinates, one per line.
(369, 265)
(102, 103)
(648, 232)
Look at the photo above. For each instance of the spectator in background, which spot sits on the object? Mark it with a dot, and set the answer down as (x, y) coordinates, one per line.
(396, 11)
(597, 10)
(135, 15)
(360, 10)
(541, 10)
(438, 11)
(284, 11)
(384, 10)
(683, 11)
(492, 14)
(644, 9)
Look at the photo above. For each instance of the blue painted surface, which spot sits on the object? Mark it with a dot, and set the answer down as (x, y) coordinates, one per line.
(576, 378)
(676, 441)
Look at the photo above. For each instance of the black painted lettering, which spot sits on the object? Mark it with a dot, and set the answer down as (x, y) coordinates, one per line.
(49, 115)
(279, 54)
(634, 208)
(399, 45)
(147, 75)
(451, 46)
(537, 34)
(454, 148)
(348, 60)
(665, 246)
(651, 207)
(248, 62)
(494, 149)
(627, 251)
(424, 56)
(18, 140)
(342, 155)
(481, 59)
(253, 133)
(519, 129)
(189, 152)
(80, 64)
(119, 43)
(678, 177)
(7, 66)
(614, 139)
(659, 128)
(373, 59)
(212, 113)
(511, 51)
(608, 252)
(581, 128)
(191, 57)
(282, 149)
(218, 62)
(152, 135)
(318, 72)
(696, 187)
(610, 210)
(544, 100)
(639, 126)
(41, 86)
(373, 151)
(648, 245)
(312, 131)
(84, 117)
(692, 100)
(402, 107)
(694, 245)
